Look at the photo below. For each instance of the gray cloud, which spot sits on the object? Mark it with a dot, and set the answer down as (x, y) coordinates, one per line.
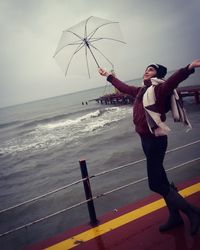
(166, 32)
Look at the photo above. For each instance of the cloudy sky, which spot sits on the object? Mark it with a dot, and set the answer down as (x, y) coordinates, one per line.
(165, 32)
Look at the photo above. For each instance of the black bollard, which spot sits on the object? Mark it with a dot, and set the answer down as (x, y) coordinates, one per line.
(88, 193)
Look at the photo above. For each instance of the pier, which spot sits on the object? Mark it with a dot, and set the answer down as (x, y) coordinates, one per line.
(115, 98)
(124, 99)
(188, 91)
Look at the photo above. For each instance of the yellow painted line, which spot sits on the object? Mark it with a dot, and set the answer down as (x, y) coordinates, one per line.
(118, 222)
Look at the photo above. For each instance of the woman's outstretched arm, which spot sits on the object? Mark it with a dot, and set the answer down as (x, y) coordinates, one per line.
(121, 86)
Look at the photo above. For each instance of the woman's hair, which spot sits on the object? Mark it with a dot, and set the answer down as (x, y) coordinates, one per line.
(161, 70)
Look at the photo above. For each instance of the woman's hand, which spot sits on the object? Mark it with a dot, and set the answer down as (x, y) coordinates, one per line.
(103, 72)
(194, 64)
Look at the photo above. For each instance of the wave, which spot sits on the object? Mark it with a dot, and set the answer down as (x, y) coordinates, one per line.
(44, 120)
(65, 130)
(9, 124)
(69, 122)
(52, 119)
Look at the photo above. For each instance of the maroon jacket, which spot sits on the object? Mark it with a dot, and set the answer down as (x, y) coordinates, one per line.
(161, 92)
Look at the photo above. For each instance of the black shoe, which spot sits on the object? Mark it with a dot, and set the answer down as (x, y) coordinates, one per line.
(194, 218)
(179, 203)
(173, 222)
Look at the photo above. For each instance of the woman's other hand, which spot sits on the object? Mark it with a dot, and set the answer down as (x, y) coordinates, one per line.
(194, 64)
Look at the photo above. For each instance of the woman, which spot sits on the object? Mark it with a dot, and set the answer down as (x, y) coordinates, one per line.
(149, 117)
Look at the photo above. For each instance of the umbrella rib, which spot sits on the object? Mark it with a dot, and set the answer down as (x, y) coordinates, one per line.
(75, 43)
(94, 31)
(86, 25)
(77, 50)
(102, 55)
(106, 38)
(69, 31)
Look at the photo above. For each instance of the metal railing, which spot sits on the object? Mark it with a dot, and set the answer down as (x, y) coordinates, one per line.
(89, 198)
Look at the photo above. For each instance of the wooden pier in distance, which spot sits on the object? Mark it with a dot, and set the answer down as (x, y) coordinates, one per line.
(124, 99)
(190, 91)
(115, 98)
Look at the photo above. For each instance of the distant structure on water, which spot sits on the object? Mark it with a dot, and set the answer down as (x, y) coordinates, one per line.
(124, 99)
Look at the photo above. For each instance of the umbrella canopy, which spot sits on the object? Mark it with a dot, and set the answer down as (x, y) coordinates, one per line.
(92, 42)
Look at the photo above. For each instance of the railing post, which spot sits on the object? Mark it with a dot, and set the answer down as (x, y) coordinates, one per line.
(88, 193)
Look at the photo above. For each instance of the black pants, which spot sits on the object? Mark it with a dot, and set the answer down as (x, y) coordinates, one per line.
(154, 149)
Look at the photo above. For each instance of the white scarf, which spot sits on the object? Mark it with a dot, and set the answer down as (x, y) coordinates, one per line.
(156, 126)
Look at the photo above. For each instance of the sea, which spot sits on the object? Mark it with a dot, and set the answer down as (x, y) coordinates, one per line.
(41, 144)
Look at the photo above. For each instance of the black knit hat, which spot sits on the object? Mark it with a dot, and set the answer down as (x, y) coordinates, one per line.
(160, 69)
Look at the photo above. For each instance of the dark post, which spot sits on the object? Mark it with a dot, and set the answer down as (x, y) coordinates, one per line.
(88, 193)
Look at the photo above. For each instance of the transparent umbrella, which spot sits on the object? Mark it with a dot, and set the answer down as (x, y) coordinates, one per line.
(91, 42)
